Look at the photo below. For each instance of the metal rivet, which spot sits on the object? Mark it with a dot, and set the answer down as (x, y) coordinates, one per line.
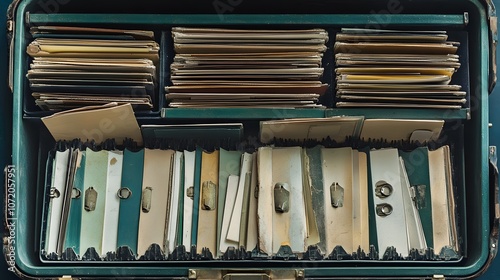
(75, 193)
(124, 193)
(54, 193)
(384, 209)
(383, 189)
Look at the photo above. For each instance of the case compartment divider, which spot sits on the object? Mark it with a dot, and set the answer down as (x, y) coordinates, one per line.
(434, 20)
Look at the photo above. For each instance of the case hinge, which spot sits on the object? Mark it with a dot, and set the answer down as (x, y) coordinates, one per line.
(278, 274)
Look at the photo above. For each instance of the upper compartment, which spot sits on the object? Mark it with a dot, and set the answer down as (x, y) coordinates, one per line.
(330, 15)
(160, 18)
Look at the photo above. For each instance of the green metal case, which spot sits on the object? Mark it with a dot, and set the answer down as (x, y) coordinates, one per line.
(468, 127)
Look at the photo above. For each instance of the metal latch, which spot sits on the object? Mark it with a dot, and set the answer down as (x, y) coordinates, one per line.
(438, 277)
(278, 274)
(67, 277)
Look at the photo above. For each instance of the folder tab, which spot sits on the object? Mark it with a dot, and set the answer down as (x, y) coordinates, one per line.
(188, 193)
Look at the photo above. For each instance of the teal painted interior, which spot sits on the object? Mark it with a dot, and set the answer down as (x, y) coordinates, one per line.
(248, 19)
(263, 113)
(27, 134)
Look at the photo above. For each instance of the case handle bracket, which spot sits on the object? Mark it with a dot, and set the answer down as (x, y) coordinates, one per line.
(495, 205)
(278, 274)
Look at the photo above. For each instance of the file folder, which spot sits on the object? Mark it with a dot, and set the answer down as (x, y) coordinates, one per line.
(130, 200)
(58, 188)
(313, 164)
(289, 227)
(265, 205)
(94, 203)
(417, 168)
(154, 200)
(229, 164)
(233, 233)
(73, 228)
(389, 211)
(338, 197)
(207, 215)
(232, 190)
(111, 212)
(252, 225)
(188, 193)
(174, 200)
